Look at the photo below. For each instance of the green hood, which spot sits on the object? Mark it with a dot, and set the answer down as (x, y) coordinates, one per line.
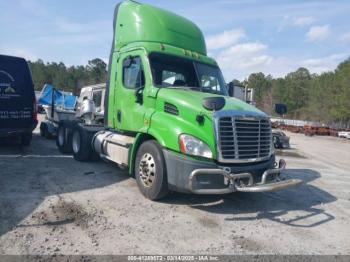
(181, 118)
(192, 101)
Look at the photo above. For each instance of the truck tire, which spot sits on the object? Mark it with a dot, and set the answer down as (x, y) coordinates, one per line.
(42, 134)
(26, 139)
(276, 142)
(81, 144)
(150, 171)
(44, 131)
(64, 139)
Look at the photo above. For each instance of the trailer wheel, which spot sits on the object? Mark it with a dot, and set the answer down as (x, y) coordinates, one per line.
(44, 131)
(26, 139)
(150, 171)
(64, 139)
(81, 144)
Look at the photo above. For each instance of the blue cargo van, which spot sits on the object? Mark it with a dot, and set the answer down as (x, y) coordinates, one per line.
(18, 112)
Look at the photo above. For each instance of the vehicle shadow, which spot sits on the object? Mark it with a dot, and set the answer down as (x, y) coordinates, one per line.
(292, 207)
(30, 175)
(289, 152)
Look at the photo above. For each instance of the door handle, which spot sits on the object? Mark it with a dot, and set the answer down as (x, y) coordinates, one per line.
(119, 116)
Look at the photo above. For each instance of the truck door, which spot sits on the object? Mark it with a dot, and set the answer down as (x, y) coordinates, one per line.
(129, 92)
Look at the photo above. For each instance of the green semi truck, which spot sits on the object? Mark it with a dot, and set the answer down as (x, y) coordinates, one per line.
(168, 117)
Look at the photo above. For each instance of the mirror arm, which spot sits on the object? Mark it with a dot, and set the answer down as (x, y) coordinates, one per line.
(139, 95)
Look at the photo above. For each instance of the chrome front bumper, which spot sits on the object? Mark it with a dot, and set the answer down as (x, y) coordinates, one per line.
(243, 182)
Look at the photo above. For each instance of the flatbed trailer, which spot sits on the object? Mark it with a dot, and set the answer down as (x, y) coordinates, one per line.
(88, 109)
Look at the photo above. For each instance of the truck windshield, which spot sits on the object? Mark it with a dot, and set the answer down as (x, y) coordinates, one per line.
(176, 72)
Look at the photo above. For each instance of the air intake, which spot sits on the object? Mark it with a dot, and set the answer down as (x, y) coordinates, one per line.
(171, 109)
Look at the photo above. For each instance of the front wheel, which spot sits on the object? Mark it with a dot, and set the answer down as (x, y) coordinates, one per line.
(150, 171)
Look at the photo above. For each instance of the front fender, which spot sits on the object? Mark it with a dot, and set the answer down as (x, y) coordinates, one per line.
(166, 128)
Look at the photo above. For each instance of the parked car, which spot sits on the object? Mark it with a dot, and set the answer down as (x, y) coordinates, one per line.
(18, 112)
(280, 139)
(344, 134)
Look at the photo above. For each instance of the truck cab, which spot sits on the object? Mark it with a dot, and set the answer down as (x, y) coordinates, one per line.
(168, 117)
(91, 96)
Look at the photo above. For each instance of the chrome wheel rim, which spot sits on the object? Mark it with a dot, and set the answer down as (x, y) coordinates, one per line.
(147, 169)
(61, 135)
(76, 142)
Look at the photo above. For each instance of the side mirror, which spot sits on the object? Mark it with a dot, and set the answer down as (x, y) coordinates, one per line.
(139, 95)
(281, 109)
(139, 90)
(230, 89)
(236, 90)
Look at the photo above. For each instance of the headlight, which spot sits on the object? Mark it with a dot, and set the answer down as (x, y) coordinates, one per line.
(193, 146)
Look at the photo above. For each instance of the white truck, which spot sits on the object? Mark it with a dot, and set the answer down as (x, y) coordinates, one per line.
(89, 109)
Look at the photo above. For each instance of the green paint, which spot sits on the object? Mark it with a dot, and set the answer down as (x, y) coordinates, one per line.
(140, 30)
(144, 23)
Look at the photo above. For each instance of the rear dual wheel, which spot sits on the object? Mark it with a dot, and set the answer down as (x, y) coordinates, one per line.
(81, 144)
(64, 139)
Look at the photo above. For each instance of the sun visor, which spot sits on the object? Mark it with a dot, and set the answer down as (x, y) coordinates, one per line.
(144, 23)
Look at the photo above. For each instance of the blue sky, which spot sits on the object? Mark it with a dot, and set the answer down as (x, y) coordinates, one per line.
(245, 36)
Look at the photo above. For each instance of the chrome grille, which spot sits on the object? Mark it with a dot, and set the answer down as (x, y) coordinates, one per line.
(241, 138)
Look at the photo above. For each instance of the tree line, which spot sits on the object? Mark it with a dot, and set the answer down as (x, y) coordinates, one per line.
(317, 97)
(71, 78)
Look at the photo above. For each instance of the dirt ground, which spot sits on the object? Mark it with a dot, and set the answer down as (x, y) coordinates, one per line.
(51, 204)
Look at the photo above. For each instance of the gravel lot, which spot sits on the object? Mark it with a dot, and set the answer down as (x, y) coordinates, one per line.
(51, 204)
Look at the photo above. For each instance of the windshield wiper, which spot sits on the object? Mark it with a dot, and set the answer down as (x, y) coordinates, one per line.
(195, 88)
(178, 87)
(214, 92)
